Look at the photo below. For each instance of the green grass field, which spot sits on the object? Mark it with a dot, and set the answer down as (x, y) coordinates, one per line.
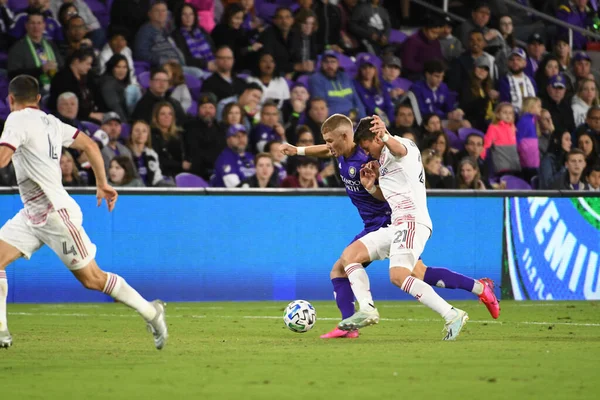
(243, 351)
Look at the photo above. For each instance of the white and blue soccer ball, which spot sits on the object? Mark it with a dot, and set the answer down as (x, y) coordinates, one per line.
(299, 316)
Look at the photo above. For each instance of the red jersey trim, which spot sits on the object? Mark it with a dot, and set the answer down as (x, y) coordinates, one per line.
(76, 133)
(10, 146)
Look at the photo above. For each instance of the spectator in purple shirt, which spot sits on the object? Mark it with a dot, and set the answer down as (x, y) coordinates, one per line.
(268, 129)
(434, 96)
(575, 12)
(234, 164)
(370, 91)
(421, 47)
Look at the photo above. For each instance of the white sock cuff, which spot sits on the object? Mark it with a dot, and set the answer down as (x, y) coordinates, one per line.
(113, 282)
(350, 268)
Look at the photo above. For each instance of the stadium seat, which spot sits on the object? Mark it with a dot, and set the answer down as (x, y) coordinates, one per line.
(144, 79)
(100, 11)
(402, 83)
(194, 85)
(453, 138)
(397, 37)
(90, 126)
(193, 110)
(513, 182)
(186, 179)
(125, 132)
(140, 67)
(535, 182)
(18, 5)
(375, 59)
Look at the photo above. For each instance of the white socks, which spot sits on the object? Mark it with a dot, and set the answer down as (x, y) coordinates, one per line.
(3, 297)
(119, 289)
(359, 280)
(426, 295)
(477, 288)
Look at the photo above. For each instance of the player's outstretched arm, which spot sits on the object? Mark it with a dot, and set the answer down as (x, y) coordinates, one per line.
(319, 151)
(104, 190)
(6, 153)
(394, 146)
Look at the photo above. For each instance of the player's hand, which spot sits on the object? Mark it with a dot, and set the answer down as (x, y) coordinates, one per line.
(367, 177)
(378, 126)
(373, 166)
(289, 150)
(107, 193)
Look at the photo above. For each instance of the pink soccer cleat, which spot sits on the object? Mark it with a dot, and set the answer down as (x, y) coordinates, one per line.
(340, 334)
(489, 298)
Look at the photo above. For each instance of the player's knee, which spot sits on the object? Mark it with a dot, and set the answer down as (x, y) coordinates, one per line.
(399, 275)
(337, 271)
(92, 278)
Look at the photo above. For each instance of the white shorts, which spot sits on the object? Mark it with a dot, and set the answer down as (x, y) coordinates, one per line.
(62, 232)
(402, 243)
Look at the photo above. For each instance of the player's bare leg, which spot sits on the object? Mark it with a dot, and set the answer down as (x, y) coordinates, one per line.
(445, 278)
(352, 258)
(8, 254)
(92, 277)
(344, 298)
(455, 318)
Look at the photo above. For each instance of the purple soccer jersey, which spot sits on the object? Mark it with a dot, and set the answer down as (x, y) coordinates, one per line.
(374, 213)
(230, 162)
(260, 135)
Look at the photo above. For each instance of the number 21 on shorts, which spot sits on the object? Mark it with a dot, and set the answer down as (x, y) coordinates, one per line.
(404, 235)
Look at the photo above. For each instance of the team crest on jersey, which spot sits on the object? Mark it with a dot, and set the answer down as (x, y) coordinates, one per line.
(352, 171)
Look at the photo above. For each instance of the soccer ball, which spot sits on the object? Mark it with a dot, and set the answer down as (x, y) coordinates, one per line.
(299, 316)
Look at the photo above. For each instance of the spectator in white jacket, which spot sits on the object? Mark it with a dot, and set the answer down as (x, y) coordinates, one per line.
(117, 44)
(586, 97)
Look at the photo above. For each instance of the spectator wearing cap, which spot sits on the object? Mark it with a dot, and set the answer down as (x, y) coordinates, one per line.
(51, 27)
(249, 100)
(293, 108)
(159, 84)
(95, 31)
(371, 92)
(223, 83)
(117, 44)
(304, 46)
(554, 100)
(193, 41)
(536, 50)
(167, 140)
(234, 164)
(585, 98)
(434, 97)
(391, 69)
(111, 126)
(582, 69)
(480, 18)
(576, 13)
(371, 25)
(178, 89)
(451, 45)
(334, 85)
(306, 174)
(461, 68)
(152, 42)
(516, 85)
(266, 74)
(477, 95)
(34, 54)
(118, 94)
(265, 176)
(278, 39)
(591, 126)
(203, 139)
(421, 47)
(269, 128)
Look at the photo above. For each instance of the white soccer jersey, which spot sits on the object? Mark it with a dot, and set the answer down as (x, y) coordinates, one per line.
(402, 181)
(37, 139)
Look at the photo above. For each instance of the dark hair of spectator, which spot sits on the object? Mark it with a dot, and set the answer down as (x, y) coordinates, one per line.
(302, 129)
(426, 119)
(540, 75)
(178, 23)
(230, 11)
(303, 15)
(112, 63)
(177, 76)
(262, 155)
(461, 182)
(555, 147)
(574, 151)
(313, 100)
(279, 10)
(73, 18)
(469, 136)
(477, 85)
(432, 139)
(594, 152)
(127, 165)
(62, 12)
(375, 81)
(476, 31)
(269, 144)
(304, 161)
(270, 103)
(148, 140)
(363, 130)
(157, 2)
(591, 111)
(594, 168)
(253, 86)
(157, 70)
(32, 12)
(481, 4)
(24, 89)
(509, 39)
(223, 46)
(81, 55)
(402, 105)
(256, 66)
(115, 30)
(434, 67)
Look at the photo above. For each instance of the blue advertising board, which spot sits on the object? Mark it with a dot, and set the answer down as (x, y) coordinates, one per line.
(248, 247)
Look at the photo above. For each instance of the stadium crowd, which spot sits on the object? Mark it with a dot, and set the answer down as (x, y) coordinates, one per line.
(203, 92)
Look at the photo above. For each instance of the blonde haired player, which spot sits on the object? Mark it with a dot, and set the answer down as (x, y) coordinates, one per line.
(402, 184)
(33, 140)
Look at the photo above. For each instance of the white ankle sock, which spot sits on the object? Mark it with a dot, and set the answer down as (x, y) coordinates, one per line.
(3, 297)
(426, 295)
(119, 289)
(359, 280)
(477, 288)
